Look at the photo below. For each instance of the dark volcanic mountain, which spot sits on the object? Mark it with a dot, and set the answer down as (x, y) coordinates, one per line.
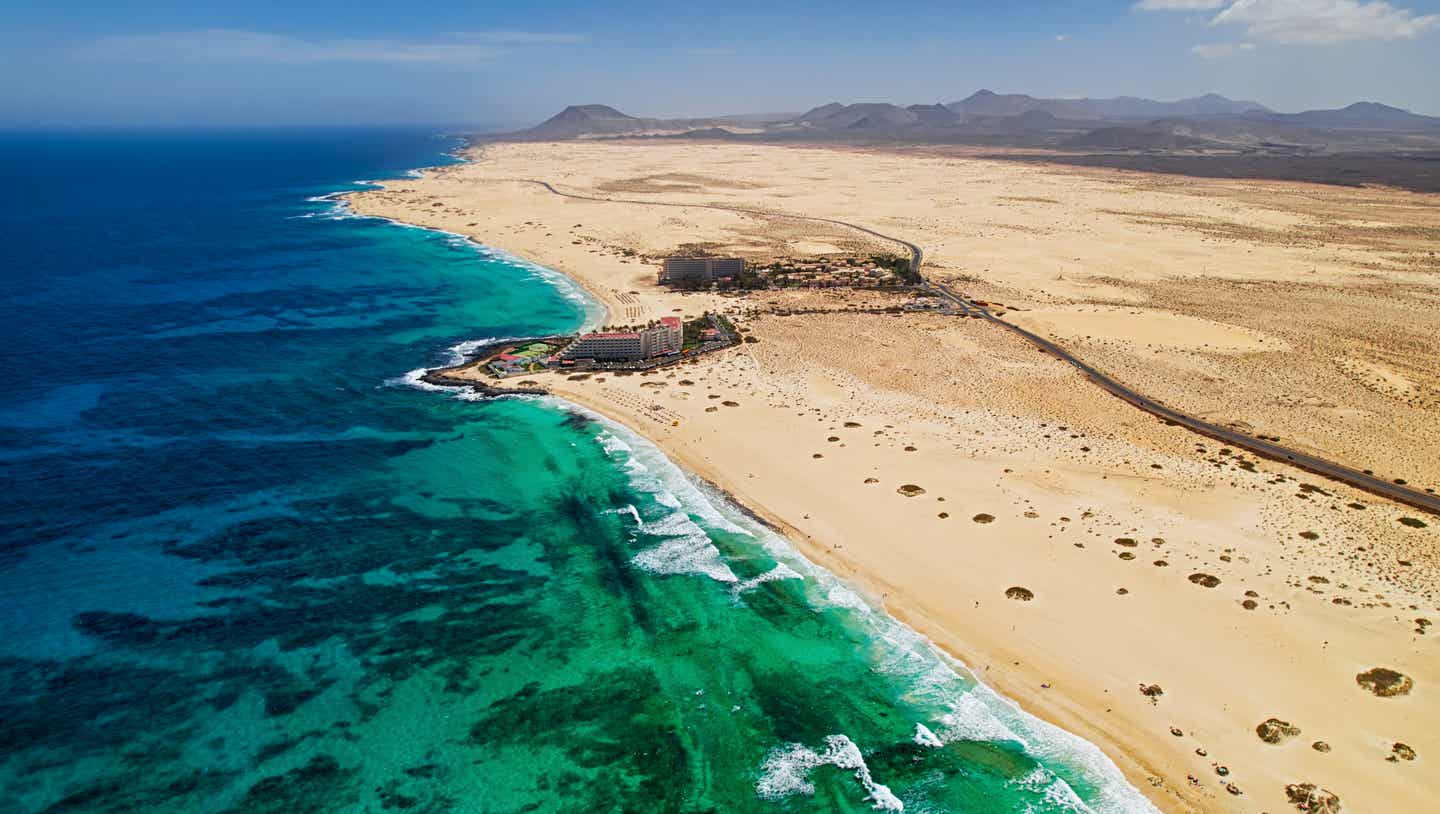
(821, 113)
(1212, 104)
(989, 103)
(936, 115)
(986, 103)
(584, 120)
(1210, 123)
(1359, 116)
(872, 115)
(1132, 107)
(578, 121)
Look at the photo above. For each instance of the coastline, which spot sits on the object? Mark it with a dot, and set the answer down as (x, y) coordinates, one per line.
(1047, 734)
(601, 307)
(1017, 683)
(1013, 685)
(1060, 664)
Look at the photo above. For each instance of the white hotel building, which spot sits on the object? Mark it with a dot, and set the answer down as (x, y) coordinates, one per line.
(656, 339)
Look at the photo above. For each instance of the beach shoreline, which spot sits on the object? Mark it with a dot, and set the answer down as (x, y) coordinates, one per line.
(1021, 687)
(1075, 651)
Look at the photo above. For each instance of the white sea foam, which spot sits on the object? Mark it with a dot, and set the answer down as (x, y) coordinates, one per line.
(965, 709)
(840, 596)
(786, 772)
(653, 474)
(685, 547)
(460, 351)
(339, 208)
(1056, 792)
(415, 378)
(780, 571)
(971, 719)
(925, 737)
(690, 554)
(633, 512)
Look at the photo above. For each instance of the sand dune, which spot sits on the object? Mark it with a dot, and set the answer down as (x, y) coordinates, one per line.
(1180, 595)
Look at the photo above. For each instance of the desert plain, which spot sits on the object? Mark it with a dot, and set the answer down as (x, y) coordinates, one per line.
(1149, 589)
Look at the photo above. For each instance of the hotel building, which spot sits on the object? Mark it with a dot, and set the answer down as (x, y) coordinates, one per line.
(699, 271)
(656, 339)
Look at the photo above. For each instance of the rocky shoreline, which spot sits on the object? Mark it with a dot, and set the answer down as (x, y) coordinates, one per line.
(440, 377)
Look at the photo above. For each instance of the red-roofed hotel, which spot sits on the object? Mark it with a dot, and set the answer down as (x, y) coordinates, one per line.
(655, 339)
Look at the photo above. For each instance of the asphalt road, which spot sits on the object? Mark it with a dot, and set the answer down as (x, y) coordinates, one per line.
(1268, 449)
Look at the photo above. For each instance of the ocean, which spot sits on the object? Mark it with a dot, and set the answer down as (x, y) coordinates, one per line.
(249, 564)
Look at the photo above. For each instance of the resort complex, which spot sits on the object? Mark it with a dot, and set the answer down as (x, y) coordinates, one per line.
(658, 338)
(879, 271)
(1092, 469)
(641, 347)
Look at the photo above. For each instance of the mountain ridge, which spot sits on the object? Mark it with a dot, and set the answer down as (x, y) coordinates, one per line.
(987, 102)
(1209, 122)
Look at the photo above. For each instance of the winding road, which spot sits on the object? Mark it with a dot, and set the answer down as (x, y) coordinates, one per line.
(1399, 493)
(1310, 463)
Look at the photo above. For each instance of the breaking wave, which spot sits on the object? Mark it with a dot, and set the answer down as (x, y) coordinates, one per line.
(780, 571)
(684, 547)
(964, 708)
(786, 772)
(675, 520)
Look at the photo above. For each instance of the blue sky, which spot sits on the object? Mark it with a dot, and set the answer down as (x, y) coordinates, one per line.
(345, 62)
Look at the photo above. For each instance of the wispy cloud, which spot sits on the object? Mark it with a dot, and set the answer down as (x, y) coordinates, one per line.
(1061, 37)
(215, 45)
(710, 52)
(1306, 22)
(1221, 50)
(1325, 22)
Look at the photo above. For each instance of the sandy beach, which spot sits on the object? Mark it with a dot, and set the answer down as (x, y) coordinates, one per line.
(951, 471)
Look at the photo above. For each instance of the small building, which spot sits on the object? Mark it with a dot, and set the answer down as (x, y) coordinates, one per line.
(697, 272)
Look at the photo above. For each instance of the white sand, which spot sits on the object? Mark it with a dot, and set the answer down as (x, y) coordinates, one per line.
(1065, 471)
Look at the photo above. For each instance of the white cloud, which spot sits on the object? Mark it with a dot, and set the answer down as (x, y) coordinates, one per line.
(232, 45)
(1221, 50)
(1061, 37)
(1324, 22)
(711, 52)
(1179, 5)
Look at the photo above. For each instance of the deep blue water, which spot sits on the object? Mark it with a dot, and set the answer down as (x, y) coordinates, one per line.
(246, 566)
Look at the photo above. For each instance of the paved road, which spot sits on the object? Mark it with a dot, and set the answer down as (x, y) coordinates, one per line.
(1354, 477)
(917, 256)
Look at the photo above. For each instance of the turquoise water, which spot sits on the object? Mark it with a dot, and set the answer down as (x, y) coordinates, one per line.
(250, 565)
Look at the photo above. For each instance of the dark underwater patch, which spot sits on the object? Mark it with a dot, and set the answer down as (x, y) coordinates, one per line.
(319, 786)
